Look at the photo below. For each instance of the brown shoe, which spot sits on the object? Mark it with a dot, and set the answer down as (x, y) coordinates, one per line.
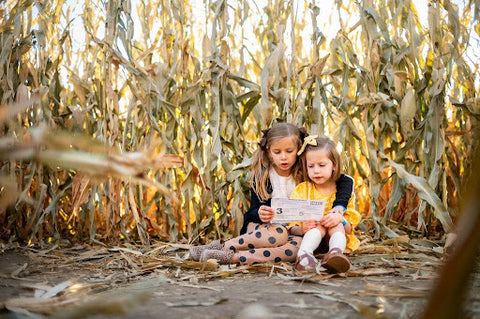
(306, 263)
(196, 251)
(224, 257)
(335, 261)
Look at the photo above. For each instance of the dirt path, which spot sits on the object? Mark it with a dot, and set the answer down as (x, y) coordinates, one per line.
(93, 282)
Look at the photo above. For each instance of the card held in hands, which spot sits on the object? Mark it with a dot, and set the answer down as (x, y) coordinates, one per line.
(294, 210)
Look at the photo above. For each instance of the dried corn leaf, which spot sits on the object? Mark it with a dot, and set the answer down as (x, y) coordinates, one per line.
(372, 272)
(425, 192)
(196, 303)
(7, 112)
(40, 305)
(392, 291)
(104, 304)
(407, 112)
(8, 192)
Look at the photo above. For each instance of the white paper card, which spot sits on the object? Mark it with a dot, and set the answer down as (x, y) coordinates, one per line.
(292, 210)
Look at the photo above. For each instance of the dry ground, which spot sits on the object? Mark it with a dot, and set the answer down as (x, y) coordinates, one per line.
(389, 279)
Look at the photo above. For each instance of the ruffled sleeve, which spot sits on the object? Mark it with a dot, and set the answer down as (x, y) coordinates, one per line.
(353, 217)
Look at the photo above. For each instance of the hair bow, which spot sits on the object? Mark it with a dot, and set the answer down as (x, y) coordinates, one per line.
(309, 140)
(263, 141)
(303, 133)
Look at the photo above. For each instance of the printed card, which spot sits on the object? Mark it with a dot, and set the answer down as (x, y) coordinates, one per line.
(293, 210)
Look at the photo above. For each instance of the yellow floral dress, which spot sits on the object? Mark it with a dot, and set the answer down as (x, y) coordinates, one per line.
(307, 190)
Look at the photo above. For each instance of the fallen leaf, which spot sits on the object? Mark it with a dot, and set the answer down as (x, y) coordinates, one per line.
(196, 303)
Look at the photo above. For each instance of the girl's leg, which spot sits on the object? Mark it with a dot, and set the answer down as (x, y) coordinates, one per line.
(251, 227)
(306, 261)
(337, 238)
(286, 252)
(196, 251)
(260, 236)
(311, 240)
(335, 261)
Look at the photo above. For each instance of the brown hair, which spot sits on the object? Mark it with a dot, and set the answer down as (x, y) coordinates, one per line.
(328, 145)
(262, 164)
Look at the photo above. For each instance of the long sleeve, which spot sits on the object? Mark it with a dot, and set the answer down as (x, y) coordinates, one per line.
(251, 216)
(344, 190)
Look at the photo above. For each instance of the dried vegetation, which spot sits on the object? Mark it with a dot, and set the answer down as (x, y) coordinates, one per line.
(117, 280)
(95, 98)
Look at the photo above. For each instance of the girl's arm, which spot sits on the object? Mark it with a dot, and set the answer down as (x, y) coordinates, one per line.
(344, 191)
(251, 216)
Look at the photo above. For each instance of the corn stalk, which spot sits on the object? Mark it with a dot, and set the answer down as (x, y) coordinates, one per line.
(127, 120)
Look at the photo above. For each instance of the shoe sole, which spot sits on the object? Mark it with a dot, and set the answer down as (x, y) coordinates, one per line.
(337, 264)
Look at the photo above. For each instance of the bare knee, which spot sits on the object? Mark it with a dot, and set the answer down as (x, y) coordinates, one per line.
(338, 228)
(323, 230)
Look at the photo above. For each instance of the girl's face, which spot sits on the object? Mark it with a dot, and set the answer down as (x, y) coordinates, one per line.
(283, 154)
(319, 166)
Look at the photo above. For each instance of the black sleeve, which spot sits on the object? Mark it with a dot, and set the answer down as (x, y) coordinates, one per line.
(251, 216)
(344, 190)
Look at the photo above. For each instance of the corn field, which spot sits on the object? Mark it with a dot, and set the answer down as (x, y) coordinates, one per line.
(136, 120)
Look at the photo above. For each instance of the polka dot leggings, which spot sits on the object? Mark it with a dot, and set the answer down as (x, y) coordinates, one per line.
(264, 243)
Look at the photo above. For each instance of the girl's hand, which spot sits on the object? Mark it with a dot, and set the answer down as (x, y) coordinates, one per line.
(336, 209)
(331, 220)
(265, 213)
(307, 225)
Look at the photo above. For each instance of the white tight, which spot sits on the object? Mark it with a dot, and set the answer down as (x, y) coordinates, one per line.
(313, 238)
(338, 240)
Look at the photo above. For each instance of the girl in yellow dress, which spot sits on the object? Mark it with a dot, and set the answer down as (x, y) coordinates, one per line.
(320, 159)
